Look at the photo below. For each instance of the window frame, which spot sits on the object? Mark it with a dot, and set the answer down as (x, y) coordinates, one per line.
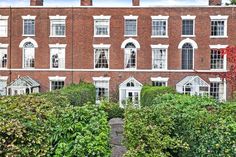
(131, 17)
(218, 47)
(224, 87)
(160, 46)
(102, 79)
(54, 18)
(219, 18)
(4, 46)
(100, 18)
(101, 46)
(58, 46)
(160, 79)
(160, 18)
(23, 55)
(56, 78)
(28, 17)
(5, 18)
(188, 17)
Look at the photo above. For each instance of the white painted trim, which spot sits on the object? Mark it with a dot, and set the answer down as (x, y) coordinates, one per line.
(160, 17)
(160, 79)
(28, 40)
(188, 17)
(219, 17)
(101, 17)
(4, 17)
(57, 45)
(28, 17)
(57, 17)
(56, 78)
(4, 45)
(130, 17)
(130, 40)
(4, 78)
(188, 40)
(219, 46)
(101, 78)
(101, 46)
(159, 46)
(97, 46)
(217, 79)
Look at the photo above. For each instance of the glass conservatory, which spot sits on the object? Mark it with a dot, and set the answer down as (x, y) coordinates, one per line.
(193, 85)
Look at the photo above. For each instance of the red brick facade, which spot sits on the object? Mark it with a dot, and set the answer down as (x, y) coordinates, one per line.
(79, 40)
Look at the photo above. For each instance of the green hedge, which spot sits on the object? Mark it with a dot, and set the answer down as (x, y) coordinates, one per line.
(113, 110)
(181, 125)
(48, 125)
(149, 93)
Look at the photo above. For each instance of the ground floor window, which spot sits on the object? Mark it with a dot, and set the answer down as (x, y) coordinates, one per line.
(159, 83)
(217, 90)
(55, 85)
(102, 88)
(3, 85)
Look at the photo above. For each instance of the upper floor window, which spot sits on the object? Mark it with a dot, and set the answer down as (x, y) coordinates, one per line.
(160, 26)
(218, 61)
(188, 25)
(159, 56)
(3, 55)
(102, 26)
(3, 26)
(187, 56)
(131, 25)
(102, 88)
(28, 25)
(101, 56)
(218, 26)
(57, 82)
(130, 56)
(58, 26)
(28, 55)
(57, 56)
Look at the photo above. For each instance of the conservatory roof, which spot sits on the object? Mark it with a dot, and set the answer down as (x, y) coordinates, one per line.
(24, 81)
(193, 80)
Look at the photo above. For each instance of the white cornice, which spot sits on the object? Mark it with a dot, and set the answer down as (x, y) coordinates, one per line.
(102, 17)
(28, 17)
(57, 17)
(160, 17)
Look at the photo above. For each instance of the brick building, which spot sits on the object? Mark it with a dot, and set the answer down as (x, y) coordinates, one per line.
(119, 49)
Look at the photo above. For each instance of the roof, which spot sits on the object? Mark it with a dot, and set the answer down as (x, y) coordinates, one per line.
(194, 80)
(24, 81)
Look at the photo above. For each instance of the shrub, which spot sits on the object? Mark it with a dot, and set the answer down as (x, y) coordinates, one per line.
(79, 94)
(113, 110)
(149, 93)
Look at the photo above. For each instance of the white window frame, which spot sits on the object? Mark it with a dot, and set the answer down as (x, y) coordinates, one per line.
(5, 18)
(55, 78)
(97, 79)
(102, 17)
(221, 18)
(161, 18)
(131, 17)
(225, 56)
(4, 79)
(57, 17)
(102, 46)
(188, 17)
(4, 46)
(160, 79)
(29, 17)
(160, 46)
(56, 46)
(222, 82)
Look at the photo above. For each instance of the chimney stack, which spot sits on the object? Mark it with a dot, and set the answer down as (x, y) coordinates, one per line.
(136, 2)
(36, 2)
(86, 2)
(215, 2)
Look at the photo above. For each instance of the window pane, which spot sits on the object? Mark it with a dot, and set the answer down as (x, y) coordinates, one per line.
(101, 58)
(29, 55)
(130, 58)
(101, 27)
(217, 60)
(159, 83)
(3, 28)
(187, 27)
(55, 85)
(159, 59)
(29, 27)
(131, 27)
(57, 57)
(58, 27)
(3, 58)
(159, 28)
(187, 56)
(102, 90)
(217, 28)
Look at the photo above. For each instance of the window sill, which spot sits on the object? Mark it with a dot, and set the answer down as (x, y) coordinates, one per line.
(184, 36)
(130, 35)
(101, 36)
(4, 36)
(57, 36)
(159, 69)
(130, 69)
(216, 70)
(28, 35)
(159, 36)
(218, 37)
(102, 69)
(57, 68)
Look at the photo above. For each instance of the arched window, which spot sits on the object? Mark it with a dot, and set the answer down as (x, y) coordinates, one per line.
(28, 55)
(130, 56)
(187, 56)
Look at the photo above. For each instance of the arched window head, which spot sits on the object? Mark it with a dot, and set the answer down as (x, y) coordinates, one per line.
(130, 45)
(130, 84)
(187, 46)
(28, 45)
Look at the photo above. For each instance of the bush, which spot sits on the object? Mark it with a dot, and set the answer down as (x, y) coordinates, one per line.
(113, 110)
(191, 126)
(149, 93)
(47, 125)
(79, 94)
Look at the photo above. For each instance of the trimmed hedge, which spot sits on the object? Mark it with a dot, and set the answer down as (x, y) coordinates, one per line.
(149, 93)
(113, 110)
(48, 125)
(180, 125)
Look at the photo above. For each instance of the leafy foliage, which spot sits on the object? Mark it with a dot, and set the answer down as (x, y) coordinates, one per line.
(48, 125)
(149, 93)
(113, 110)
